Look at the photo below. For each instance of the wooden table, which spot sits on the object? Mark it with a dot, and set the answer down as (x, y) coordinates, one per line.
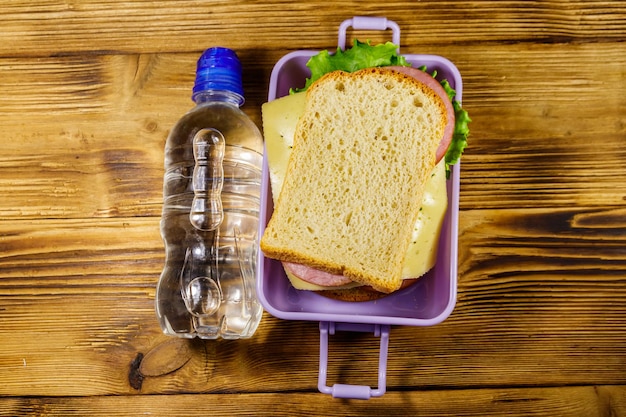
(88, 93)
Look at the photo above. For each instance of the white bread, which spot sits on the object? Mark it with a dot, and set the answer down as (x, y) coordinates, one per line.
(363, 149)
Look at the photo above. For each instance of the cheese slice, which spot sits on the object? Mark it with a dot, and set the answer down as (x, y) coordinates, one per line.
(280, 118)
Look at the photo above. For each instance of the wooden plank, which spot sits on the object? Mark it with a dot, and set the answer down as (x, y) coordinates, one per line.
(505, 343)
(538, 136)
(538, 291)
(52, 28)
(588, 401)
(85, 135)
(88, 92)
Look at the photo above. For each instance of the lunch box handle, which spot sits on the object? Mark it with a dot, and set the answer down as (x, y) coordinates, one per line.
(368, 23)
(362, 392)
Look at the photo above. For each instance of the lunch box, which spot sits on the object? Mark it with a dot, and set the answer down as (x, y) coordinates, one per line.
(427, 302)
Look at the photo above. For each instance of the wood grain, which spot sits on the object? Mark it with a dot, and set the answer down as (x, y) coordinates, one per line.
(532, 293)
(543, 137)
(53, 28)
(566, 401)
(88, 93)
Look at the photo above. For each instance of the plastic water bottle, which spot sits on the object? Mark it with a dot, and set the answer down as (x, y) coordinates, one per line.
(211, 200)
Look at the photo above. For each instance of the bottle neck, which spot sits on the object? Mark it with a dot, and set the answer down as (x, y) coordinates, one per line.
(225, 96)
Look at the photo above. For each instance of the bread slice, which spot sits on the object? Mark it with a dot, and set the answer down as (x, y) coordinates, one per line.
(362, 151)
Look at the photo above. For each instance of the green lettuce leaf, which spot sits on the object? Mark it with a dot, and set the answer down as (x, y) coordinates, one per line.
(360, 56)
(461, 126)
(459, 137)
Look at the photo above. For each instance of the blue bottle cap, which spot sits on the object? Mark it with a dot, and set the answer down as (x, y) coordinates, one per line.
(218, 69)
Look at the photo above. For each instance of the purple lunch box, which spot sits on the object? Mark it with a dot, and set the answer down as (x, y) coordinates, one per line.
(425, 303)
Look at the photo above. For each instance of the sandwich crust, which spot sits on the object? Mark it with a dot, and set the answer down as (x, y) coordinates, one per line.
(362, 151)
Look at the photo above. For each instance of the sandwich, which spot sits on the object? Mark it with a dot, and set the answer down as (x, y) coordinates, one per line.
(370, 140)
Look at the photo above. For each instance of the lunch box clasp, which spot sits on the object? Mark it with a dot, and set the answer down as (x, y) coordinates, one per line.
(362, 392)
(368, 23)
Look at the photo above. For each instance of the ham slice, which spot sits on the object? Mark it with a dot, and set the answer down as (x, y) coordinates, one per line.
(314, 276)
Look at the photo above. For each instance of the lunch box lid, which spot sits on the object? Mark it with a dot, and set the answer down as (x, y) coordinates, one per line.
(427, 302)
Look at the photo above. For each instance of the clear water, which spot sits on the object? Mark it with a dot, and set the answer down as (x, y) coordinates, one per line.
(207, 286)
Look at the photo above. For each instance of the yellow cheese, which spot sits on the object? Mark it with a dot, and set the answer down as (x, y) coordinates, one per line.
(421, 254)
(280, 117)
(279, 127)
